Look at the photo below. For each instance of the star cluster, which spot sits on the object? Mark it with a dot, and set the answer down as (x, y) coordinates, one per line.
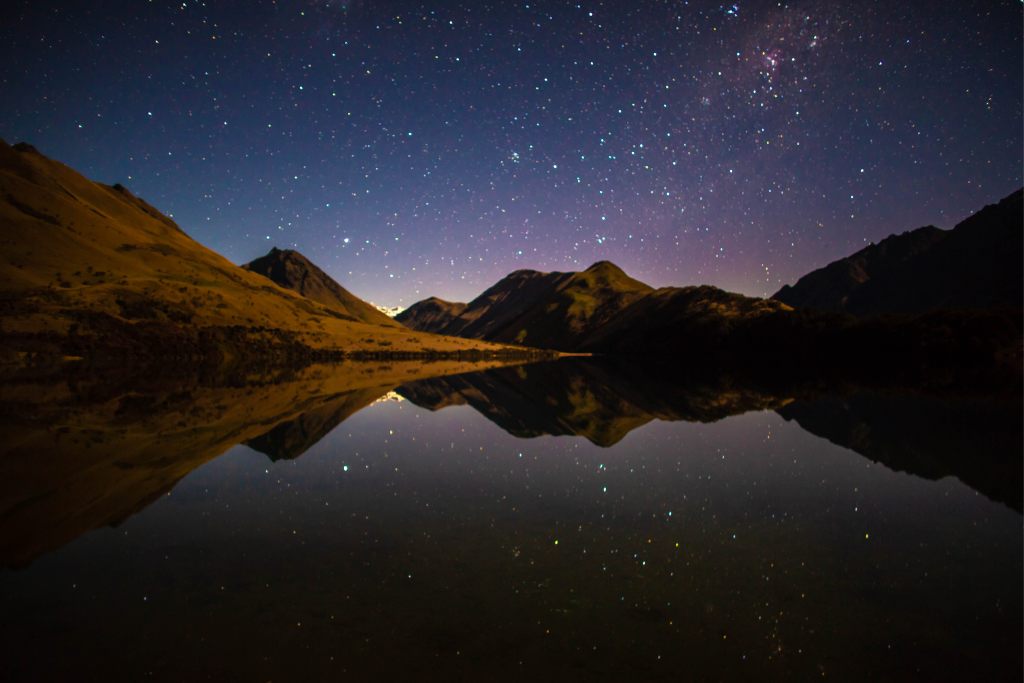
(417, 149)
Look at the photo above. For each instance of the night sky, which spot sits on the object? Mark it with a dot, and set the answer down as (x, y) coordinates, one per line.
(418, 149)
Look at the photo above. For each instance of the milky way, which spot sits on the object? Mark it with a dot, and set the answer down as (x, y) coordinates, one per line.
(417, 149)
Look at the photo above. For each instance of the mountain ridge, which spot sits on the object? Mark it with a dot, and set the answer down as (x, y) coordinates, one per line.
(430, 314)
(603, 311)
(977, 264)
(530, 307)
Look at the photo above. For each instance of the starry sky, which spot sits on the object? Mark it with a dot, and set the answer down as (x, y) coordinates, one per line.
(416, 149)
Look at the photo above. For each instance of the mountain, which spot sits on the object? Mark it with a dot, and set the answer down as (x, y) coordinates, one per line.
(293, 271)
(90, 270)
(581, 303)
(603, 311)
(498, 307)
(430, 315)
(691, 326)
(955, 299)
(542, 310)
(672, 318)
(599, 310)
(977, 264)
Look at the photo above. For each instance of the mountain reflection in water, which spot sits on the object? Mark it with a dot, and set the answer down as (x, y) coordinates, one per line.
(81, 449)
(431, 544)
(977, 440)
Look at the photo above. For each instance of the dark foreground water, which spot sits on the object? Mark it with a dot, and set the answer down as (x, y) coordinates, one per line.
(426, 542)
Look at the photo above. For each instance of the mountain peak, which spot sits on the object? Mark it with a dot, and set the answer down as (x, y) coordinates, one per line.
(26, 148)
(430, 314)
(605, 265)
(123, 190)
(291, 270)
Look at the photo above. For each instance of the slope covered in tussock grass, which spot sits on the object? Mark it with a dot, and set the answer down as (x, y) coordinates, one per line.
(88, 268)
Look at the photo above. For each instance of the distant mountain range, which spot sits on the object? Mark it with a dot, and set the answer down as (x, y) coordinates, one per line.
(601, 310)
(591, 310)
(968, 281)
(976, 265)
(544, 310)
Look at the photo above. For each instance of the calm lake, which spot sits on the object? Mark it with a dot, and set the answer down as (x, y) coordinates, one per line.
(558, 521)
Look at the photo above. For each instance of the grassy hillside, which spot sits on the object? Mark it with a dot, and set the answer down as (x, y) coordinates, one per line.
(88, 268)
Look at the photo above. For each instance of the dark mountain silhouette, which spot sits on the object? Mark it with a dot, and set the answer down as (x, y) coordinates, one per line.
(430, 314)
(766, 339)
(948, 307)
(976, 441)
(977, 264)
(672, 318)
(498, 307)
(293, 271)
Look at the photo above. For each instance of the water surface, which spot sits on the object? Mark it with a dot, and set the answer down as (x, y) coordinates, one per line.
(543, 523)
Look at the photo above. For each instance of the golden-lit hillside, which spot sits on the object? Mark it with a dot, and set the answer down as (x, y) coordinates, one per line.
(88, 267)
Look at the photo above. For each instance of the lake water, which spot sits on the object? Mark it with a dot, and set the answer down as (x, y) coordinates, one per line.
(533, 523)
